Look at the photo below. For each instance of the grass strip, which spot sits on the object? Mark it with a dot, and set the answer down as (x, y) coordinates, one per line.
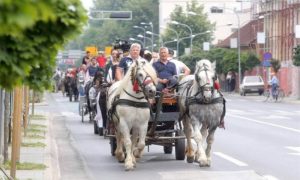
(25, 166)
(37, 144)
(36, 126)
(34, 136)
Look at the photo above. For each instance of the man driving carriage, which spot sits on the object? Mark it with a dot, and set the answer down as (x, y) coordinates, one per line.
(166, 71)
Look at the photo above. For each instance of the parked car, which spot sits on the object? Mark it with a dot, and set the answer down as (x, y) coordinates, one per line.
(252, 84)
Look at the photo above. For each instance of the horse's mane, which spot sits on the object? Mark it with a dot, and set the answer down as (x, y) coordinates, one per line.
(127, 78)
(205, 63)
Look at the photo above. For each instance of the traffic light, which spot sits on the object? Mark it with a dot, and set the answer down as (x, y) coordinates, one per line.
(120, 15)
(110, 15)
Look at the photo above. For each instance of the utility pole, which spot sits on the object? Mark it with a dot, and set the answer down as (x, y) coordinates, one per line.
(16, 130)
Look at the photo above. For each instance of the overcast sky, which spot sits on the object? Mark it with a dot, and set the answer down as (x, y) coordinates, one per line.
(87, 4)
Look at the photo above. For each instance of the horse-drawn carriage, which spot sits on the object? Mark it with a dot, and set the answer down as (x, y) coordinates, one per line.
(164, 129)
(134, 122)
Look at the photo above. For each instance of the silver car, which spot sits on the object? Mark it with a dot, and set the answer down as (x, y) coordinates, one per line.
(252, 84)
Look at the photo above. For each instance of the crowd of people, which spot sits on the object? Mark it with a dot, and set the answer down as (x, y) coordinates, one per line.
(114, 67)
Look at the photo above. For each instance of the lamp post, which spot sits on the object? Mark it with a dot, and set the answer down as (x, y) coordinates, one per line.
(177, 36)
(138, 27)
(193, 36)
(206, 32)
(141, 36)
(177, 23)
(159, 36)
(133, 39)
(167, 42)
(151, 25)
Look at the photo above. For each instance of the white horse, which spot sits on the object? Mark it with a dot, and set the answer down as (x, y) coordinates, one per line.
(201, 108)
(130, 110)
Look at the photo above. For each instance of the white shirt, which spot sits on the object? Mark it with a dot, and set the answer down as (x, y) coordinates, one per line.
(179, 65)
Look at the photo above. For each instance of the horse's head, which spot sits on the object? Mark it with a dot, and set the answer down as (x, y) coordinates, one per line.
(205, 77)
(146, 78)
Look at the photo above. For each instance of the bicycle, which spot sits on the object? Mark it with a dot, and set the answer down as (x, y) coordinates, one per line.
(278, 94)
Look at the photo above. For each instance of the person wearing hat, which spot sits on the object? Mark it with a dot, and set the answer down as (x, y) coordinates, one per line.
(166, 71)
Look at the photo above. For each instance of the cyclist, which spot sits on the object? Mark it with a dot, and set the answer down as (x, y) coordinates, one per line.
(274, 85)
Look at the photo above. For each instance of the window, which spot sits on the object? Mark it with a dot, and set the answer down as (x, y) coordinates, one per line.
(216, 10)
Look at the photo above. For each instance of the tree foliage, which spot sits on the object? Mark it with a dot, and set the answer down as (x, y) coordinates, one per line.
(226, 60)
(33, 33)
(198, 23)
(296, 56)
(103, 33)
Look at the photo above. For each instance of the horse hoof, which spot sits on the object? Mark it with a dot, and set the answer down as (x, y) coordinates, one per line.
(203, 163)
(137, 153)
(190, 159)
(129, 167)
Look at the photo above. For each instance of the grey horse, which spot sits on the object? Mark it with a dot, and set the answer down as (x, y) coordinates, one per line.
(201, 109)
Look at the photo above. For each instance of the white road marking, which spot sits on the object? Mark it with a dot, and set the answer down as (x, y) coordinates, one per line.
(266, 123)
(231, 159)
(276, 117)
(61, 100)
(284, 112)
(269, 177)
(294, 148)
(66, 113)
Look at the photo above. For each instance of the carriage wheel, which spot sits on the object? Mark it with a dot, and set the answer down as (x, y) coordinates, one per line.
(113, 145)
(180, 147)
(82, 114)
(100, 130)
(96, 130)
(168, 149)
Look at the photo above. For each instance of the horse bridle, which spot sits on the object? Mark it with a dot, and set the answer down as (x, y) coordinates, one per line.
(203, 88)
(141, 83)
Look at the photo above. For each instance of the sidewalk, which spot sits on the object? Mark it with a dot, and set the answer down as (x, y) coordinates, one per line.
(36, 149)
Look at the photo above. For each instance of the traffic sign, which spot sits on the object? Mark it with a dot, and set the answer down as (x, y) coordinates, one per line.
(267, 56)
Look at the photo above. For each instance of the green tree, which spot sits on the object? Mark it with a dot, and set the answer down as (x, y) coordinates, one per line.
(27, 54)
(296, 56)
(198, 23)
(103, 33)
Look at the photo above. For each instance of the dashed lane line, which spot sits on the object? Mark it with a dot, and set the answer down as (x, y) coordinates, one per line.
(231, 159)
(266, 123)
(294, 148)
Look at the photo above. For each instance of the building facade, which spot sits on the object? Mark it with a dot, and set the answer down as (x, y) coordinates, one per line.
(220, 12)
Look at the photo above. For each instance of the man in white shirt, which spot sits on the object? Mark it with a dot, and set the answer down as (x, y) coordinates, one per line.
(181, 68)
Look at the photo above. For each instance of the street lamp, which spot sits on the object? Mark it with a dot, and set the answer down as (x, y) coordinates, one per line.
(177, 23)
(138, 27)
(238, 42)
(141, 36)
(133, 39)
(151, 25)
(206, 32)
(159, 36)
(177, 36)
(167, 42)
(193, 36)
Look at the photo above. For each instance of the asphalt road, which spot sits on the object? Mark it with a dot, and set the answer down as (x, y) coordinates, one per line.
(261, 141)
